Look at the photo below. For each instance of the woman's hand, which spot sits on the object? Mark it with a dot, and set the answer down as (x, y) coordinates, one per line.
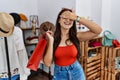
(69, 15)
(49, 36)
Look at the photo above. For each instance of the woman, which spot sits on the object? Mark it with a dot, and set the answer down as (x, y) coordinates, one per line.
(64, 48)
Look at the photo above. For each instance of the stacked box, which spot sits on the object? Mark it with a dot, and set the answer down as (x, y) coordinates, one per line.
(110, 60)
(91, 65)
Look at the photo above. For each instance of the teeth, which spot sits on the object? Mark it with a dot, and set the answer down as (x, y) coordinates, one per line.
(67, 23)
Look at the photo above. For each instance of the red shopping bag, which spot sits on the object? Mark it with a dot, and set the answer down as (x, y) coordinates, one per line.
(37, 54)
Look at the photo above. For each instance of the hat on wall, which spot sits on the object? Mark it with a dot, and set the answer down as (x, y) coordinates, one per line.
(45, 26)
(23, 17)
(16, 18)
(6, 24)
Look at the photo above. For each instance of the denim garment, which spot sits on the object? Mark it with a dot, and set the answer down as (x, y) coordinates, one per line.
(72, 72)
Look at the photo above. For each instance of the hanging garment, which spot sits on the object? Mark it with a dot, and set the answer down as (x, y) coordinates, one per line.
(17, 55)
(22, 54)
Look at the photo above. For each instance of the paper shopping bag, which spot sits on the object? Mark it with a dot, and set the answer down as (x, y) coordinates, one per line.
(37, 54)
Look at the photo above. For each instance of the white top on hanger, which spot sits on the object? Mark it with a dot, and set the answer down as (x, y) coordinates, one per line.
(17, 54)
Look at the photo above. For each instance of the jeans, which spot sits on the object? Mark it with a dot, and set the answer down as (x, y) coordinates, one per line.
(72, 72)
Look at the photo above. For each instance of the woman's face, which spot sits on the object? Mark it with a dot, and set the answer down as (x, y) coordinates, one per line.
(65, 21)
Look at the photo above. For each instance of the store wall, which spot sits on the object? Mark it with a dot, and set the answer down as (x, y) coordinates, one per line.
(115, 18)
(106, 14)
(49, 9)
(96, 11)
(83, 8)
(110, 16)
(89, 9)
(28, 7)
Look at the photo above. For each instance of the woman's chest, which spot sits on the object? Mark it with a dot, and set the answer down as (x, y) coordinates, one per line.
(66, 51)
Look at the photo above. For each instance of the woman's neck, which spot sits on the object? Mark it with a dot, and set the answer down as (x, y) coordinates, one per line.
(64, 32)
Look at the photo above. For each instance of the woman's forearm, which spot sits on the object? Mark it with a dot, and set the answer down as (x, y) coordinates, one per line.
(91, 25)
(48, 58)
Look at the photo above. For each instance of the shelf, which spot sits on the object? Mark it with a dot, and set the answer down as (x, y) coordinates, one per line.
(91, 48)
(24, 30)
(28, 28)
(29, 44)
(94, 58)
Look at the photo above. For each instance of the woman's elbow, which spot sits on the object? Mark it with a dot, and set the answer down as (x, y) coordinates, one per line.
(47, 63)
(98, 31)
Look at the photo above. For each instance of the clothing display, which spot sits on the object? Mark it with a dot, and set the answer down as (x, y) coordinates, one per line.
(17, 55)
(32, 39)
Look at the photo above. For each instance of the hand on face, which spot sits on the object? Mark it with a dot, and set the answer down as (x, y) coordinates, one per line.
(69, 15)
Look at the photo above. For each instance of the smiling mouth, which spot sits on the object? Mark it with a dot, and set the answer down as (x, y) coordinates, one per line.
(67, 23)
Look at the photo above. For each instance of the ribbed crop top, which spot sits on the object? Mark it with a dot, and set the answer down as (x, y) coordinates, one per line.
(65, 55)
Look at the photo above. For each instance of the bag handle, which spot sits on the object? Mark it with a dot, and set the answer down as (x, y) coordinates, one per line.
(107, 31)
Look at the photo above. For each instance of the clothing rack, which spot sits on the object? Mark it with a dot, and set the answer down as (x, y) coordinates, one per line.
(7, 57)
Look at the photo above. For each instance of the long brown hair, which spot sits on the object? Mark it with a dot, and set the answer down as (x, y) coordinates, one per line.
(72, 34)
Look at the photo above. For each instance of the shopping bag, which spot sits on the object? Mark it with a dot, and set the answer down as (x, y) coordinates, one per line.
(107, 38)
(37, 54)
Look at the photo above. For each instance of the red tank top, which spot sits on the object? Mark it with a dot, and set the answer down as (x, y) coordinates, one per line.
(65, 55)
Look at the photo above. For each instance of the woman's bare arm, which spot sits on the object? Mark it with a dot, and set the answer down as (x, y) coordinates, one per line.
(48, 57)
(94, 30)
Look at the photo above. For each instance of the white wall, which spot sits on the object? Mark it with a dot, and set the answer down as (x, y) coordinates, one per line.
(106, 14)
(96, 11)
(28, 7)
(49, 9)
(111, 16)
(115, 18)
(83, 8)
(89, 9)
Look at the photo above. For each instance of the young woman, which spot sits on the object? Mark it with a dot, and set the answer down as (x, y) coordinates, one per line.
(63, 48)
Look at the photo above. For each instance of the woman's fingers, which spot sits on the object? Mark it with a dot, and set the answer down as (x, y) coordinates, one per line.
(49, 35)
(69, 15)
